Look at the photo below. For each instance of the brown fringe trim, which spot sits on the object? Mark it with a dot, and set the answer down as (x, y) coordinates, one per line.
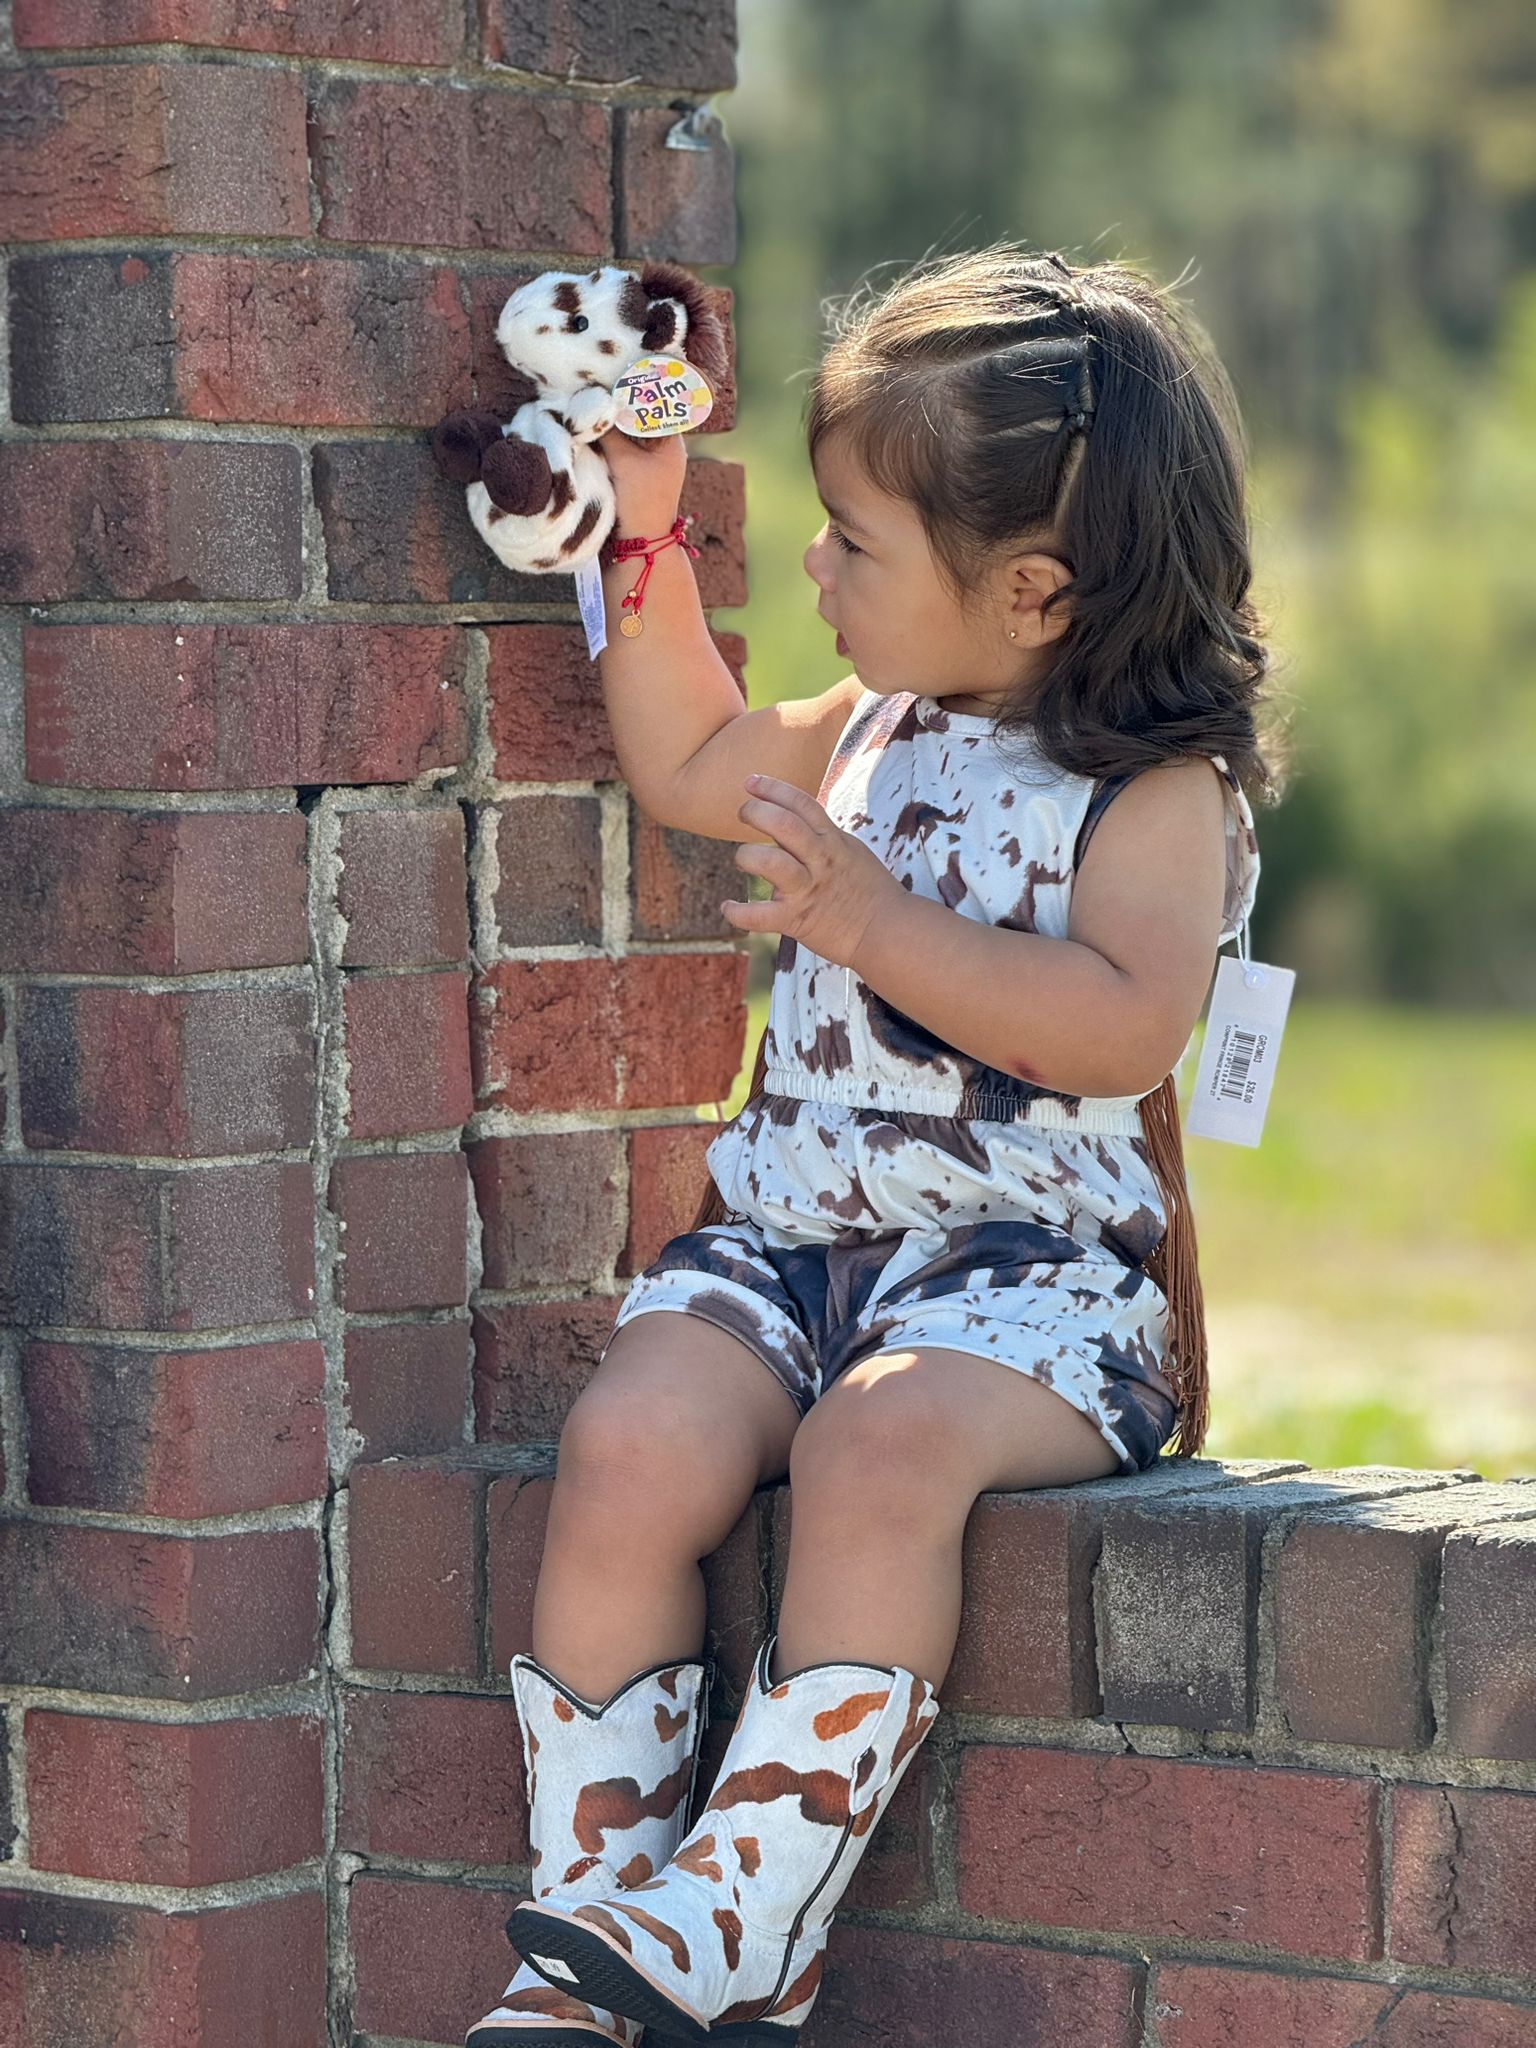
(1174, 1266)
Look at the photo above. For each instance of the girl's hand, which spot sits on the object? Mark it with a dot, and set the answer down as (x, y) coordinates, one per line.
(647, 481)
(827, 885)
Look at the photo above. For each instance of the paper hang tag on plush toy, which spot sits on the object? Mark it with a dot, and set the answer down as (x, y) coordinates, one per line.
(661, 395)
(589, 596)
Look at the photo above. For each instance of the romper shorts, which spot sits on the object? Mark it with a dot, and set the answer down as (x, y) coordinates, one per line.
(1082, 1321)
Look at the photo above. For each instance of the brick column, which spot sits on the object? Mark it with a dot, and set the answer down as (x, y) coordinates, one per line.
(339, 982)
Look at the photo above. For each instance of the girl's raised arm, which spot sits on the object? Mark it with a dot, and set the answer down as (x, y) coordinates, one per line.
(685, 745)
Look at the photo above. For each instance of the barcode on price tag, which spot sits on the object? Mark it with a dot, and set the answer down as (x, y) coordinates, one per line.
(1242, 1042)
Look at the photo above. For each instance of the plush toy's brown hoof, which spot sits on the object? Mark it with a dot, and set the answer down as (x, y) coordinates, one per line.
(518, 476)
(460, 441)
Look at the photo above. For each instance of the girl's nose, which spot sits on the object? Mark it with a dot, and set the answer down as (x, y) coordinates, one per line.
(816, 562)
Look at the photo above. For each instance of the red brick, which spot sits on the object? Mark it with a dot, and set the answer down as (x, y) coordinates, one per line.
(546, 705)
(156, 1432)
(1354, 1593)
(152, 149)
(602, 1033)
(145, 1802)
(246, 1976)
(91, 337)
(397, 533)
(302, 340)
(667, 1180)
(169, 520)
(434, 1776)
(184, 1072)
(549, 852)
(431, 1958)
(460, 169)
(1026, 1641)
(532, 1358)
(1200, 2005)
(714, 492)
(405, 1219)
(1488, 1592)
(117, 1248)
(1141, 1845)
(678, 881)
(516, 1511)
(327, 341)
(143, 892)
(403, 887)
(691, 45)
(677, 204)
(414, 1537)
(1463, 1878)
(884, 1987)
(242, 707)
(408, 1386)
(386, 31)
(407, 1053)
(113, 1610)
(551, 1207)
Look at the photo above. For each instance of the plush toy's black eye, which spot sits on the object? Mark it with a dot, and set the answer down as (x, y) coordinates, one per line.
(578, 324)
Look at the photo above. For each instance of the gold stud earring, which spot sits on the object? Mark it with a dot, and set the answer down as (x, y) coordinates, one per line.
(1012, 635)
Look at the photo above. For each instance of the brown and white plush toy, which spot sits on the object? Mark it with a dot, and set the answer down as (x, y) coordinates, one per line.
(539, 492)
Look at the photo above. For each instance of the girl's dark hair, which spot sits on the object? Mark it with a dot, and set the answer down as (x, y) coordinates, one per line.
(1014, 399)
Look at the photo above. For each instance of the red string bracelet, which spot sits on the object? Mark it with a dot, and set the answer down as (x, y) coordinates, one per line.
(631, 623)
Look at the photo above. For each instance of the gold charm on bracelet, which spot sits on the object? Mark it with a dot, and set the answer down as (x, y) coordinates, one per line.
(631, 625)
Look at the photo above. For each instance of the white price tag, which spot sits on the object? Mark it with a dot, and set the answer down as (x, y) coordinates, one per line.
(1242, 1043)
(589, 595)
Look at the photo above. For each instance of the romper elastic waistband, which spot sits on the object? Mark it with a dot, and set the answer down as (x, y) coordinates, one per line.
(1104, 1116)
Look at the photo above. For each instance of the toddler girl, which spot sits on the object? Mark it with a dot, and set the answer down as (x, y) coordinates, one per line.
(946, 1247)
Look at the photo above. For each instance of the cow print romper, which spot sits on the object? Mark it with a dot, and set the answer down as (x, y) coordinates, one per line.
(885, 1190)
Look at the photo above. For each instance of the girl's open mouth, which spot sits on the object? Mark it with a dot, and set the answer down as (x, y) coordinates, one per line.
(842, 644)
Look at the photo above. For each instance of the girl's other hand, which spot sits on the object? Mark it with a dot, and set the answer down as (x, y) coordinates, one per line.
(827, 884)
(647, 481)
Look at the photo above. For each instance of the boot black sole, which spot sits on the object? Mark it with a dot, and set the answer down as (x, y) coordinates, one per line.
(553, 2035)
(600, 1974)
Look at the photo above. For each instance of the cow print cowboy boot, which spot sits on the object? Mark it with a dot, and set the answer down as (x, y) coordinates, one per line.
(728, 1941)
(608, 1793)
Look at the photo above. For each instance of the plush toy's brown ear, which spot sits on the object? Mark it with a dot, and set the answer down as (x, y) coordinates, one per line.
(704, 344)
(460, 440)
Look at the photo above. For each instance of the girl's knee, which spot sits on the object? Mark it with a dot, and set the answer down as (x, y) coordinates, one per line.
(619, 1439)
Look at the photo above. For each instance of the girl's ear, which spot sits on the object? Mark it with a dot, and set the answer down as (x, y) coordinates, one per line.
(1032, 579)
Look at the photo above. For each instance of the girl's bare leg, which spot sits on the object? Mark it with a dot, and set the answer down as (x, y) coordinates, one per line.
(884, 1473)
(658, 1459)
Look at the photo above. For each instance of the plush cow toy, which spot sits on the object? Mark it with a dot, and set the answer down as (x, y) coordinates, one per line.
(539, 492)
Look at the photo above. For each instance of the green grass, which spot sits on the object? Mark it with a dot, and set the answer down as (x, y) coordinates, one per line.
(1369, 1271)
